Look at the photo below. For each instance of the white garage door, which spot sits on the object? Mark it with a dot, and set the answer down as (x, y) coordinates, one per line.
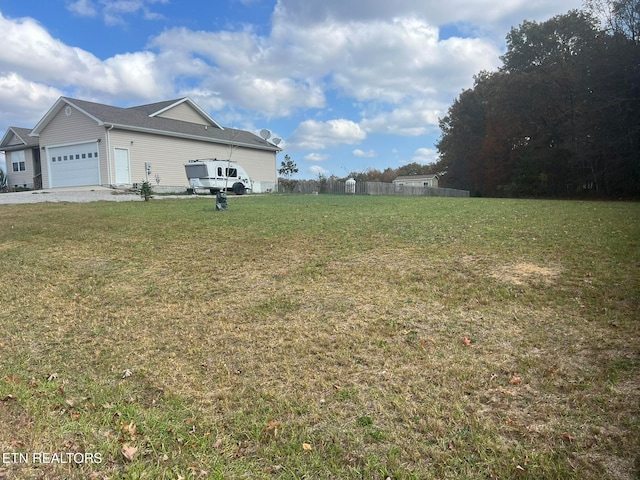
(74, 165)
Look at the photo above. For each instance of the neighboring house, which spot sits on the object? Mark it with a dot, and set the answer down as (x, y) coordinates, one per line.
(22, 157)
(80, 143)
(419, 181)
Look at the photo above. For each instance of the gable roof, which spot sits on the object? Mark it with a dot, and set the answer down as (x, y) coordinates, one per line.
(155, 109)
(26, 141)
(145, 118)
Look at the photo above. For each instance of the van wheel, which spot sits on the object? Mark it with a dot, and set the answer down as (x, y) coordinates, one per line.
(238, 188)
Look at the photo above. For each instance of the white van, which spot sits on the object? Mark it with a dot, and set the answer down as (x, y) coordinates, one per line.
(217, 176)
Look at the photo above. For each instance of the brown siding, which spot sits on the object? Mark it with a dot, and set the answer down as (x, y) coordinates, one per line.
(76, 128)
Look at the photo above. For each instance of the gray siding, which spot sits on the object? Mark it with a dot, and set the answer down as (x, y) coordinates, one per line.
(20, 179)
(76, 128)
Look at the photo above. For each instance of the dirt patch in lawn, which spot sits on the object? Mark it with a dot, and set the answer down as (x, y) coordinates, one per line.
(522, 273)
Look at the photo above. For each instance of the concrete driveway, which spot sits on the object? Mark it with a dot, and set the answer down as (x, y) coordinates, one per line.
(90, 194)
(77, 194)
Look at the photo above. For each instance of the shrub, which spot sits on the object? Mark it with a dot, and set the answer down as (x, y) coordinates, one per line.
(146, 191)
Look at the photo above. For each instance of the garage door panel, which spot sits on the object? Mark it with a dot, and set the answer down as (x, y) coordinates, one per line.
(74, 165)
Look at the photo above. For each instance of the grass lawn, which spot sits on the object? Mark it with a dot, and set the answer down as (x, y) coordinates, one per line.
(304, 337)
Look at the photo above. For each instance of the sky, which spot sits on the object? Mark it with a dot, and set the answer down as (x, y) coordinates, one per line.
(348, 85)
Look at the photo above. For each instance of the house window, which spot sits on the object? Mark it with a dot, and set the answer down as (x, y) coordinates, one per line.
(90, 154)
(65, 157)
(17, 161)
(84, 155)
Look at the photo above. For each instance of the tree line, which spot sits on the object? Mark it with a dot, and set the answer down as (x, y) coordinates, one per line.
(560, 117)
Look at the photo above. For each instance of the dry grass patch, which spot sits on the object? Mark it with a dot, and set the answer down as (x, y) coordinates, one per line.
(522, 272)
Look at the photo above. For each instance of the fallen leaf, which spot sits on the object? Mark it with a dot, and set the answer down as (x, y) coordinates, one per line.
(52, 377)
(127, 373)
(271, 428)
(466, 341)
(129, 429)
(218, 443)
(129, 451)
(307, 447)
(515, 380)
(568, 438)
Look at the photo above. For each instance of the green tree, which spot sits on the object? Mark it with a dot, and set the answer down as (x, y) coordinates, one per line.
(560, 117)
(146, 191)
(617, 17)
(288, 168)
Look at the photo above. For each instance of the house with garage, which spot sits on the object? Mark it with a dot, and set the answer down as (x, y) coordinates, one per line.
(81, 143)
(415, 181)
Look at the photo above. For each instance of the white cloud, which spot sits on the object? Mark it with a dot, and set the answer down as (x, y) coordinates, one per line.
(494, 15)
(83, 8)
(277, 74)
(414, 118)
(29, 48)
(114, 11)
(314, 135)
(362, 154)
(425, 156)
(241, 67)
(316, 157)
(24, 102)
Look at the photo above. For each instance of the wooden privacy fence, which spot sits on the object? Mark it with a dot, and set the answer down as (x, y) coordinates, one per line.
(372, 188)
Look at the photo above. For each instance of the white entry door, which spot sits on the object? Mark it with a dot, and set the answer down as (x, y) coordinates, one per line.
(123, 166)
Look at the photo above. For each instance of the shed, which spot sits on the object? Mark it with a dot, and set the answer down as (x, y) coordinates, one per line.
(416, 181)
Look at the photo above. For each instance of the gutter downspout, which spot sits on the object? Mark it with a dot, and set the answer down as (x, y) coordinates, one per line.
(109, 155)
